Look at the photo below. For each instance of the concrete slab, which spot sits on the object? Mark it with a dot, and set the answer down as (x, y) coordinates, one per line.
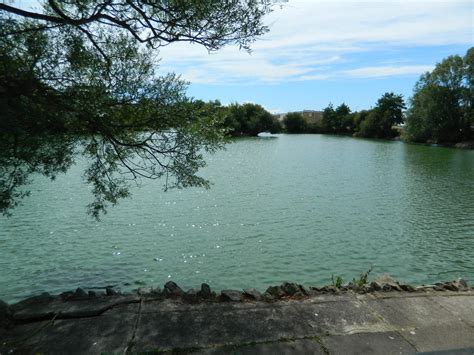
(386, 343)
(169, 305)
(304, 346)
(425, 293)
(109, 333)
(218, 325)
(331, 298)
(70, 309)
(447, 336)
(411, 312)
(17, 339)
(348, 323)
(461, 306)
(467, 351)
(340, 318)
(171, 325)
(424, 323)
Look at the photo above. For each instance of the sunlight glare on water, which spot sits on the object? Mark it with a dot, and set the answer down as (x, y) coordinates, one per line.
(297, 208)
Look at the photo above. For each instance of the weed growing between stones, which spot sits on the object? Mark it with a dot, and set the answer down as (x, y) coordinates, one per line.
(336, 282)
(363, 279)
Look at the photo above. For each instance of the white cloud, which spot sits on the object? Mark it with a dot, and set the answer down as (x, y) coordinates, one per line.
(408, 22)
(312, 40)
(318, 40)
(313, 77)
(384, 71)
(230, 66)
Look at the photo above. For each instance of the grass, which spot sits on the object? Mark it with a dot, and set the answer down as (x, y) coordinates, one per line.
(359, 282)
(336, 282)
(363, 279)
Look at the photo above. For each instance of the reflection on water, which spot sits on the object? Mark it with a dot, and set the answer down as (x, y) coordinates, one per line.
(297, 208)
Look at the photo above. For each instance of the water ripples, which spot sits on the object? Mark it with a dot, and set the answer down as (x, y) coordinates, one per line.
(297, 208)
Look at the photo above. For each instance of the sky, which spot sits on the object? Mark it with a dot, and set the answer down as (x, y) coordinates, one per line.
(319, 52)
(327, 51)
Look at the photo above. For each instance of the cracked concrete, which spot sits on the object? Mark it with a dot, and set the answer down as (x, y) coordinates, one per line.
(350, 323)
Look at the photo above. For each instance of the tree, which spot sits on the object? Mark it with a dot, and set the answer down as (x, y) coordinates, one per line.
(79, 78)
(249, 120)
(378, 122)
(343, 110)
(337, 120)
(344, 118)
(370, 127)
(360, 117)
(469, 93)
(329, 120)
(295, 123)
(211, 23)
(434, 115)
(390, 107)
(441, 109)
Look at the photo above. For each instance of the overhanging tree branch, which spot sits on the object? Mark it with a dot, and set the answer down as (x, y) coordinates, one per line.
(77, 78)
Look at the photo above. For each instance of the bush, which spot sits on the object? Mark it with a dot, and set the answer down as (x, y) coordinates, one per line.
(250, 120)
(295, 123)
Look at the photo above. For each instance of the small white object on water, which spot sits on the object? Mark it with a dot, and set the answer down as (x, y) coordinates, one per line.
(266, 135)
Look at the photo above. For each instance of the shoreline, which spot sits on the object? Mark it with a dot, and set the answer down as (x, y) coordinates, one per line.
(377, 282)
(285, 291)
(464, 145)
(384, 316)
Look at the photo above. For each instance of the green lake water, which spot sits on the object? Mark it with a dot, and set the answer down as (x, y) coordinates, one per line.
(296, 208)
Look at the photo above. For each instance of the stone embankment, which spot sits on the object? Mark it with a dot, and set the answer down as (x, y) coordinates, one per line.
(384, 316)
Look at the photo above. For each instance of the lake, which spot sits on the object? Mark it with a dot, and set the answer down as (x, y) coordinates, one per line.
(296, 208)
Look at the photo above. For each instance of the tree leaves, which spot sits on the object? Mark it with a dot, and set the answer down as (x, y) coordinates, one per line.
(77, 79)
(441, 108)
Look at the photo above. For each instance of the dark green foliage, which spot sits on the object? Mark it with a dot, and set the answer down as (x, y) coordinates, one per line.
(360, 117)
(391, 107)
(329, 121)
(435, 116)
(441, 109)
(295, 123)
(336, 282)
(75, 80)
(315, 127)
(370, 127)
(469, 93)
(249, 120)
(342, 110)
(378, 122)
(339, 120)
(210, 23)
(362, 280)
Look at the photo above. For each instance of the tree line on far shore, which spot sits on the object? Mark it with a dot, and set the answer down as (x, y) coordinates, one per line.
(377, 122)
(441, 110)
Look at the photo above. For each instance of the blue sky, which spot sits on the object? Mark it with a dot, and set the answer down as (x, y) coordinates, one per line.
(322, 51)
(329, 51)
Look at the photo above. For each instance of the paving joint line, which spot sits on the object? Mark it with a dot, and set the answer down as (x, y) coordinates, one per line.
(131, 342)
(451, 313)
(388, 324)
